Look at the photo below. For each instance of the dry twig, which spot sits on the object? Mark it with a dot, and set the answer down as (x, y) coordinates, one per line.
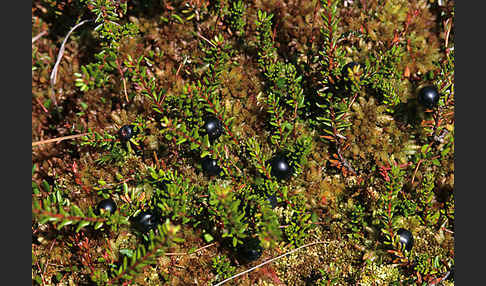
(38, 36)
(204, 38)
(57, 139)
(59, 57)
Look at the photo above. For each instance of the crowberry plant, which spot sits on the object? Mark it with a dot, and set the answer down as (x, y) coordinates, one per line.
(311, 139)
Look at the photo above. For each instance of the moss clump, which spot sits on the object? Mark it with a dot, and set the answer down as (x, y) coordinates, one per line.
(379, 275)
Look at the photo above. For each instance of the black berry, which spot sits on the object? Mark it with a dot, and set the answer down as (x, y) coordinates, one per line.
(126, 132)
(406, 238)
(213, 127)
(250, 250)
(280, 167)
(145, 221)
(312, 278)
(451, 274)
(428, 96)
(272, 200)
(210, 166)
(162, 185)
(108, 205)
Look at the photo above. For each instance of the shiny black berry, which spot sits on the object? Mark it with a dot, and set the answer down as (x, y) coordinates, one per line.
(145, 221)
(312, 278)
(406, 238)
(126, 132)
(210, 166)
(281, 168)
(108, 205)
(250, 250)
(429, 96)
(213, 127)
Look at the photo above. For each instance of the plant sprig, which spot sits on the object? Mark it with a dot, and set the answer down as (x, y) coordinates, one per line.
(144, 256)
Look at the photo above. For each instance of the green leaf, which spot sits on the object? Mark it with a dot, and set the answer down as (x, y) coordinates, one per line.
(445, 151)
(125, 262)
(194, 146)
(127, 252)
(424, 148)
(35, 189)
(64, 223)
(205, 153)
(208, 238)
(81, 225)
(98, 225)
(181, 140)
(46, 187)
(178, 18)
(206, 141)
(52, 219)
(77, 211)
(59, 197)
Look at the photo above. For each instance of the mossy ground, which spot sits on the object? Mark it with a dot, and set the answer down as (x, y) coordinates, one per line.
(348, 257)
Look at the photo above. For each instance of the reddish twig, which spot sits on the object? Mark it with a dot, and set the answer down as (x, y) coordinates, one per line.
(77, 177)
(331, 51)
(41, 105)
(75, 218)
(41, 273)
(265, 171)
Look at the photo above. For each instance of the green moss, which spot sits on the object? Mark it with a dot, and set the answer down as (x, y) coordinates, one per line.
(374, 274)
